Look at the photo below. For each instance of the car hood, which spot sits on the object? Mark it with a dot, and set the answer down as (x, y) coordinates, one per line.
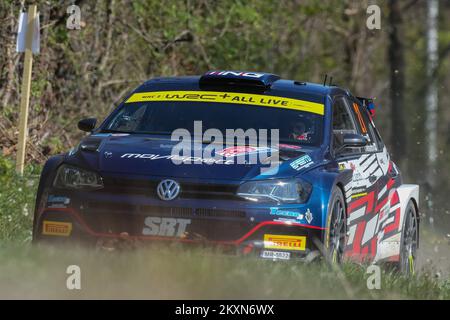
(151, 155)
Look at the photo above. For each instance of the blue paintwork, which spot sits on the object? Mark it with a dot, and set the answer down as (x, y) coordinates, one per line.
(323, 174)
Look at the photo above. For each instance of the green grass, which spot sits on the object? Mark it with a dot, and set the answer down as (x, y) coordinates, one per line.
(157, 272)
(173, 273)
(17, 196)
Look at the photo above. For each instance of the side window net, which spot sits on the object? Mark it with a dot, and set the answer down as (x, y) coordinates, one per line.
(342, 120)
(368, 129)
(342, 124)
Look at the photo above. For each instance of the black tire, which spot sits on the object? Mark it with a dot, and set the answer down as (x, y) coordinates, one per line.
(409, 241)
(336, 233)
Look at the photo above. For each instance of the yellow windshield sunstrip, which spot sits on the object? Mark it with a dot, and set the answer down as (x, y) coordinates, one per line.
(229, 97)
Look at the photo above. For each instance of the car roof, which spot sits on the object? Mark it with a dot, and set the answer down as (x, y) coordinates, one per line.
(280, 87)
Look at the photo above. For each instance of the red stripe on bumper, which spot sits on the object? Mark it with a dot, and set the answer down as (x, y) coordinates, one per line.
(80, 220)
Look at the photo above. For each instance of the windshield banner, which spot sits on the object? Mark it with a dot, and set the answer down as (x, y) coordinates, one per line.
(229, 97)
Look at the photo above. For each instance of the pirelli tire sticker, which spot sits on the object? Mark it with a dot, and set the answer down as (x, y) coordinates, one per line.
(284, 242)
(229, 97)
(56, 228)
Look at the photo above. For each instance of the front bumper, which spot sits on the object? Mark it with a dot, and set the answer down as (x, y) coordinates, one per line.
(234, 226)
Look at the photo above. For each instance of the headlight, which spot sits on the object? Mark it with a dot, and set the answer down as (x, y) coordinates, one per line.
(281, 191)
(76, 178)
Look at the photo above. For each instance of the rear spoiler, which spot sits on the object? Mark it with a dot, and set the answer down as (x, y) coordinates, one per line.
(224, 78)
(368, 103)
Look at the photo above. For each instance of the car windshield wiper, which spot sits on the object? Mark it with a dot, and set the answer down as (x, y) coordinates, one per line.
(295, 143)
(114, 131)
(136, 132)
(209, 141)
(161, 133)
(224, 143)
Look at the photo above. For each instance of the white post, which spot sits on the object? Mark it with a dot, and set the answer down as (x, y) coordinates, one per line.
(25, 92)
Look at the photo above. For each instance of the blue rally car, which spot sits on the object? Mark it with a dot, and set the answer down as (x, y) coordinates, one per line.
(243, 161)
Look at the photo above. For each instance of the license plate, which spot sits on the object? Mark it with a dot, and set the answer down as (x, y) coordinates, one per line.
(275, 255)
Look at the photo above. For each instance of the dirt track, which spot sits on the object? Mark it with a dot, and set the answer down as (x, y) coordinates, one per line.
(434, 253)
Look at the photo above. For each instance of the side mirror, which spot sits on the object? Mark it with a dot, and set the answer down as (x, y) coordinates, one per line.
(354, 140)
(350, 140)
(87, 124)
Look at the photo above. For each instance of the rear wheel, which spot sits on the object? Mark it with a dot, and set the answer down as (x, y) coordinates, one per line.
(336, 227)
(409, 241)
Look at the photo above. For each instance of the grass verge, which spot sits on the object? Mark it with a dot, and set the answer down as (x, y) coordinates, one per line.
(17, 196)
(173, 273)
(170, 272)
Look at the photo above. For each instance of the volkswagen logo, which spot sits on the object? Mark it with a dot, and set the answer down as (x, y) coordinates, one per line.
(168, 189)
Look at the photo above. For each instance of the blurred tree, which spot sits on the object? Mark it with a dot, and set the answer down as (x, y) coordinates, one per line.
(397, 81)
(122, 43)
(431, 100)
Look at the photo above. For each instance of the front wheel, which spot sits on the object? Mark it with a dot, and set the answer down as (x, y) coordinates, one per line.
(336, 227)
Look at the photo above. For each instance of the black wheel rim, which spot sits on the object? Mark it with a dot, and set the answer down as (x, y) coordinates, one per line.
(337, 231)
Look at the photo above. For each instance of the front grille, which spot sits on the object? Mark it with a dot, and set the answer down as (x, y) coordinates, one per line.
(166, 211)
(160, 211)
(129, 186)
(188, 190)
(218, 230)
(208, 191)
(200, 212)
(201, 227)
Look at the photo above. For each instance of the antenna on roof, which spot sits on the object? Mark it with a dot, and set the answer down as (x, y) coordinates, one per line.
(325, 80)
(331, 81)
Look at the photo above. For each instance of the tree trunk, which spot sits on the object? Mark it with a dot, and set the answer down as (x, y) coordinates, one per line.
(432, 89)
(397, 82)
(11, 58)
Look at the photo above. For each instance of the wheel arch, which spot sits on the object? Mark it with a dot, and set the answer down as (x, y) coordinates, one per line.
(45, 180)
(406, 193)
(340, 185)
(389, 248)
(326, 180)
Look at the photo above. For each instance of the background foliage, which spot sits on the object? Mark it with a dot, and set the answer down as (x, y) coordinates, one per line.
(81, 73)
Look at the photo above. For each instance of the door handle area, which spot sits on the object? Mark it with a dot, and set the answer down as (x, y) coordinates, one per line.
(372, 179)
(393, 174)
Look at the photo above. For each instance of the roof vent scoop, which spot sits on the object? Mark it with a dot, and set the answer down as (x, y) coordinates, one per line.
(238, 78)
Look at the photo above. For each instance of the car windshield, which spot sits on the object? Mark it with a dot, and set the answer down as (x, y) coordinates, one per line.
(163, 117)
